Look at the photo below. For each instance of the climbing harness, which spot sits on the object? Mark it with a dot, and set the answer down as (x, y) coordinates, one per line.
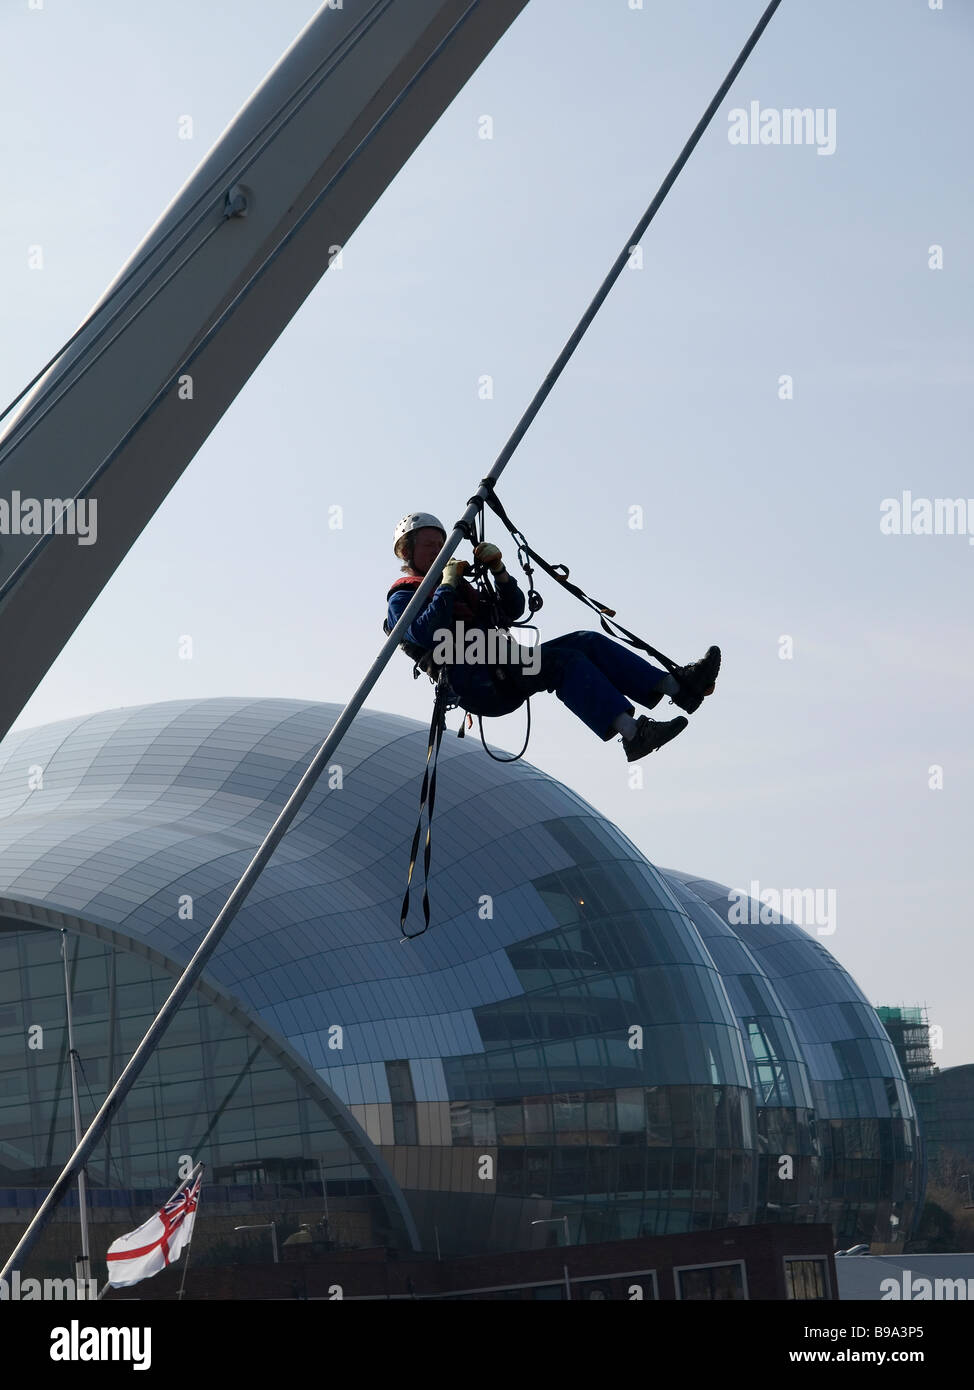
(475, 535)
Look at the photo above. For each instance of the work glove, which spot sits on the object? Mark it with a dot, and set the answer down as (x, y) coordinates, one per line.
(453, 570)
(488, 554)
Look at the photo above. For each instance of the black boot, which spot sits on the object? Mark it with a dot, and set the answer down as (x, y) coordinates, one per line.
(697, 680)
(652, 734)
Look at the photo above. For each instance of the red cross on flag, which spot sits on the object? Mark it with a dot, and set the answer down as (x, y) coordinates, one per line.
(159, 1241)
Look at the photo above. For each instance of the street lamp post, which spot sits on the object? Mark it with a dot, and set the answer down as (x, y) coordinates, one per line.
(267, 1225)
(548, 1220)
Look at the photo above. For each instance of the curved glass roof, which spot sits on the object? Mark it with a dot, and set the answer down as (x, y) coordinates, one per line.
(614, 1032)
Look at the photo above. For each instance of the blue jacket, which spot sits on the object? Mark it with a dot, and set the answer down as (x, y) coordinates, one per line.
(439, 612)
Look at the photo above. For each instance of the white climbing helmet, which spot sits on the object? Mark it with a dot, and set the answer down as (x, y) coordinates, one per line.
(415, 521)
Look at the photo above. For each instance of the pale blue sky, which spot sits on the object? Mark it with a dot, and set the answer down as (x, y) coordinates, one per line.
(761, 516)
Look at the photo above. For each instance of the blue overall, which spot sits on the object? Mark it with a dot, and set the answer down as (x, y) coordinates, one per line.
(588, 672)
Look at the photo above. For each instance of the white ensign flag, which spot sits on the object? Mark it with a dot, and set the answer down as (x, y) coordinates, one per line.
(157, 1243)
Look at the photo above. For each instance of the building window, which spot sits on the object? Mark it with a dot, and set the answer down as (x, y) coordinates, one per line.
(400, 1081)
(404, 1125)
(806, 1279)
(717, 1282)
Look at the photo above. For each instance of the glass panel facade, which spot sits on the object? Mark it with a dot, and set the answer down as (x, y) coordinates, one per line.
(839, 1129)
(581, 1045)
(212, 1092)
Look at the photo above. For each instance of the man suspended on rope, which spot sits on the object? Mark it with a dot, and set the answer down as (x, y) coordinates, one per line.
(591, 674)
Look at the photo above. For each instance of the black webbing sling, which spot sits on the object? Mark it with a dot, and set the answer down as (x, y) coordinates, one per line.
(443, 700)
(560, 574)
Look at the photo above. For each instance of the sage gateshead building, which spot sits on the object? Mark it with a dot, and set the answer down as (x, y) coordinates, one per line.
(582, 1045)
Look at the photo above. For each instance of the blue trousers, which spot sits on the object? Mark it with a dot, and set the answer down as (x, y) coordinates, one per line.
(589, 673)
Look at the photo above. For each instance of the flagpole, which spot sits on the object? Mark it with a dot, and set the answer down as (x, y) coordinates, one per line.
(85, 1260)
(189, 1243)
